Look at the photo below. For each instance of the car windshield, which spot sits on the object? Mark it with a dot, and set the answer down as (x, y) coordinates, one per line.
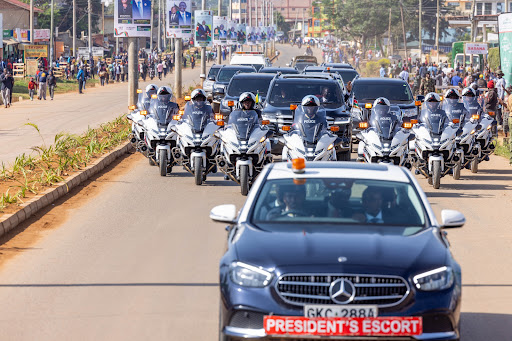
(240, 85)
(283, 71)
(393, 91)
(302, 65)
(214, 71)
(225, 75)
(285, 93)
(287, 204)
(348, 75)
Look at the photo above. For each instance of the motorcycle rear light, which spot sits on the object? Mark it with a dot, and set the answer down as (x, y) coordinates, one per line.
(286, 128)
(407, 125)
(187, 98)
(181, 112)
(231, 104)
(139, 91)
(456, 120)
(293, 106)
(143, 112)
(131, 107)
(489, 127)
(492, 113)
(219, 117)
(176, 117)
(414, 121)
(298, 165)
(335, 128)
(220, 123)
(154, 96)
(475, 117)
(363, 125)
(368, 106)
(417, 103)
(265, 122)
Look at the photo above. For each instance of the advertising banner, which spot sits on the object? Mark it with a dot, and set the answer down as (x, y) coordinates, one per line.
(43, 34)
(21, 35)
(241, 35)
(476, 48)
(232, 35)
(179, 19)
(263, 33)
(251, 35)
(505, 36)
(132, 18)
(220, 33)
(36, 51)
(203, 28)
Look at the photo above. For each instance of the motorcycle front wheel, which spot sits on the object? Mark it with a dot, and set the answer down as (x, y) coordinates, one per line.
(456, 171)
(244, 180)
(163, 162)
(436, 174)
(474, 165)
(198, 171)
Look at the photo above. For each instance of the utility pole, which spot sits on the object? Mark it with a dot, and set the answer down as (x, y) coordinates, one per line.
(74, 28)
(473, 24)
(151, 29)
(507, 6)
(303, 22)
(159, 41)
(219, 47)
(419, 36)
(51, 35)
(103, 22)
(437, 31)
(89, 10)
(133, 76)
(31, 21)
(390, 44)
(249, 9)
(203, 51)
(179, 65)
(403, 30)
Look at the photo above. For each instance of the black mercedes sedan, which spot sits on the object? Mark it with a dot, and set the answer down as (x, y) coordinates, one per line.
(338, 250)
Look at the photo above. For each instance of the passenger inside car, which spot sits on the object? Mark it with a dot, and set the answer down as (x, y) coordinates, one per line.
(293, 199)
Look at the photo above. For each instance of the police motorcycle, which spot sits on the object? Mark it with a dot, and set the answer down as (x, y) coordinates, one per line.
(196, 144)
(245, 146)
(459, 116)
(159, 137)
(484, 137)
(308, 137)
(386, 139)
(138, 114)
(435, 142)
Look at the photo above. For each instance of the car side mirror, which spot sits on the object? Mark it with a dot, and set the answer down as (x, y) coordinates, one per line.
(219, 91)
(452, 219)
(211, 78)
(224, 214)
(288, 64)
(420, 98)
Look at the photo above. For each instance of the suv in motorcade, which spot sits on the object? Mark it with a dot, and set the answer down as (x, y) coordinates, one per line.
(210, 80)
(320, 244)
(222, 80)
(278, 69)
(300, 62)
(348, 75)
(257, 83)
(366, 90)
(313, 69)
(288, 90)
(338, 65)
(255, 59)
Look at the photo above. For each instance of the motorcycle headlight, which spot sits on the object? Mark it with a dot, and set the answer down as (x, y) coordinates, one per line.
(409, 112)
(249, 276)
(433, 280)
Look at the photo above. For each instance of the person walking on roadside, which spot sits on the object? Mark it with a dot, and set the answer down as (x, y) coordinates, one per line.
(32, 86)
(428, 85)
(160, 69)
(52, 83)
(43, 77)
(80, 76)
(7, 85)
(103, 74)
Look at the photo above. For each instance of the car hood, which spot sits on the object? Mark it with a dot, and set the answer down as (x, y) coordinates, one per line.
(371, 250)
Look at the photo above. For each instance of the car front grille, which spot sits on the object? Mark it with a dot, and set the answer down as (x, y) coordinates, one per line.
(302, 289)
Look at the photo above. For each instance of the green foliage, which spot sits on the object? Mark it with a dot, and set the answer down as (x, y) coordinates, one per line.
(372, 68)
(494, 58)
(282, 25)
(384, 61)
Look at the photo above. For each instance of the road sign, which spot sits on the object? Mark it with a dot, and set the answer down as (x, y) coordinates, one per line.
(476, 48)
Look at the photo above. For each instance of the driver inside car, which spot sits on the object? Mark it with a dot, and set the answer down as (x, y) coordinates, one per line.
(327, 95)
(293, 198)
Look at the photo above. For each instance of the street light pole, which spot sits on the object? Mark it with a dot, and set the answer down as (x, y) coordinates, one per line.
(419, 33)
(219, 47)
(437, 31)
(203, 51)
(159, 41)
(31, 21)
(74, 28)
(89, 20)
(51, 35)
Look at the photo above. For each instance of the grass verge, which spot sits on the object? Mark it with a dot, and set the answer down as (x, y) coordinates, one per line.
(63, 86)
(503, 150)
(69, 153)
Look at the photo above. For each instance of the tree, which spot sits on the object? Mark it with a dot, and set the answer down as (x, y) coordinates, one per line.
(280, 22)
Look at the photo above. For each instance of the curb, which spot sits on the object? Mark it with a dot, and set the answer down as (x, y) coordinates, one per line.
(11, 221)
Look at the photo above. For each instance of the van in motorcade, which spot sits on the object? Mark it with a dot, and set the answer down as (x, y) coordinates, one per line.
(254, 59)
(222, 80)
(300, 62)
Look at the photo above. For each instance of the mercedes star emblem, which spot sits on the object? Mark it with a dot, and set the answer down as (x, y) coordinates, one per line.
(342, 291)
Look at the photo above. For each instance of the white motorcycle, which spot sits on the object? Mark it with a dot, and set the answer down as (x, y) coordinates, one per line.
(435, 142)
(197, 146)
(309, 139)
(159, 137)
(245, 148)
(138, 115)
(386, 140)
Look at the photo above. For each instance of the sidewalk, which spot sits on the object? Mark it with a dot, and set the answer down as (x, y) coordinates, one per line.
(70, 113)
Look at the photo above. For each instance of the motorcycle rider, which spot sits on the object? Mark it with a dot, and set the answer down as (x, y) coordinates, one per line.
(310, 105)
(247, 102)
(198, 101)
(150, 90)
(470, 99)
(432, 107)
(452, 106)
(164, 96)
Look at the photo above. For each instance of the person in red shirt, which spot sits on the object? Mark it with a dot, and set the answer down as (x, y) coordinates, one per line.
(32, 86)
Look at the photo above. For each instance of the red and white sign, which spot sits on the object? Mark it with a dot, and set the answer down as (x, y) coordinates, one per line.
(343, 326)
(43, 34)
(476, 48)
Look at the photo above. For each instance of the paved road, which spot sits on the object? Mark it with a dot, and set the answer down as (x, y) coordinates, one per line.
(140, 259)
(70, 112)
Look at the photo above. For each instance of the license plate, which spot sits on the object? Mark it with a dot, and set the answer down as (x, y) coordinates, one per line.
(340, 311)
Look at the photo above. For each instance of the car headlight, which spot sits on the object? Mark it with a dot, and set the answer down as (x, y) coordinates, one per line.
(249, 276)
(437, 279)
(409, 112)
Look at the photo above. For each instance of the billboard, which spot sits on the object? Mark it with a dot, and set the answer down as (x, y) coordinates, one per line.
(220, 33)
(203, 28)
(179, 19)
(132, 18)
(241, 35)
(43, 34)
(476, 48)
(505, 36)
(232, 35)
(36, 51)
(252, 37)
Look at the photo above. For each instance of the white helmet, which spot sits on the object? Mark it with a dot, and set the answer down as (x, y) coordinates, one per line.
(469, 92)
(198, 93)
(151, 87)
(451, 92)
(164, 90)
(432, 97)
(382, 101)
(247, 96)
(309, 101)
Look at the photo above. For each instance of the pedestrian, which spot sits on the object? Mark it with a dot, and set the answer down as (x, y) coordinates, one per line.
(428, 85)
(491, 101)
(80, 76)
(500, 89)
(7, 85)
(43, 78)
(456, 80)
(160, 69)
(508, 109)
(103, 74)
(382, 71)
(164, 63)
(404, 75)
(52, 83)
(32, 86)
(121, 70)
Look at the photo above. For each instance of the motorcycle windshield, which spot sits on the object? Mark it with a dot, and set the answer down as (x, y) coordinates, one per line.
(160, 110)
(140, 102)
(243, 122)
(384, 121)
(197, 117)
(454, 110)
(434, 118)
(472, 106)
(310, 122)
